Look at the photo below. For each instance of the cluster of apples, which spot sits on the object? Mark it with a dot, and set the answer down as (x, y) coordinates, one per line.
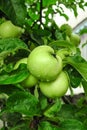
(46, 70)
(47, 67)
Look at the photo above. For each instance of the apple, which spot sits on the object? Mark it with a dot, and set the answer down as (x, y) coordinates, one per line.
(56, 88)
(66, 28)
(8, 29)
(75, 39)
(30, 81)
(43, 63)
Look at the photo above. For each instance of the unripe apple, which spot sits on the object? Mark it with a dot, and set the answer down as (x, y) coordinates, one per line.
(43, 64)
(66, 28)
(30, 81)
(8, 29)
(56, 88)
(75, 39)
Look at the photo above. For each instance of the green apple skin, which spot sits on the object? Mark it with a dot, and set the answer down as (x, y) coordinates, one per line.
(8, 29)
(56, 88)
(23, 60)
(43, 64)
(75, 39)
(66, 28)
(29, 82)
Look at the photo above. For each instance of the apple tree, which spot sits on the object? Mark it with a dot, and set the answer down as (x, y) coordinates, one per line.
(39, 63)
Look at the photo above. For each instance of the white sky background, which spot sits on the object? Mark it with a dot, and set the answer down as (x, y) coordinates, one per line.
(73, 21)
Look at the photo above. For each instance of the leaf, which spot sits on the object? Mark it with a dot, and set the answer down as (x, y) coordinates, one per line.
(15, 10)
(45, 125)
(62, 13)
(79, 64)
(62, 43)
(72, 124)
(84, 84)
(83, 31)
(49, 3)
(38, 36)
(24, 103)
(15, 76)
(9, 89)
(10, 45)
(52, 111)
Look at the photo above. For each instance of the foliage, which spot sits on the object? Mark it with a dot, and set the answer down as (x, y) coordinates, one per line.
(29, 109)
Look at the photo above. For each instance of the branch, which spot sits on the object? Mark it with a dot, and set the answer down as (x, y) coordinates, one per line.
(41, 7)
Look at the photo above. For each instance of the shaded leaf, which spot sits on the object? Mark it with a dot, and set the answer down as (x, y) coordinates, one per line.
(15, 10)
(10, 45)
(79, 64)
(24, 103)
(72, 124)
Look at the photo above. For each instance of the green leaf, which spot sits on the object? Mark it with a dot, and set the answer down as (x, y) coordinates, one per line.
(79, 64)
(67, 111)
(52, 111)
(62, 43)
(83, 31)
(49, 3)
(15, 76)
(72, 124)
(24, 103)
(15, 10)
(45, 125)
(10, 45)
(84, 84)
(9, 89)
(62, 14)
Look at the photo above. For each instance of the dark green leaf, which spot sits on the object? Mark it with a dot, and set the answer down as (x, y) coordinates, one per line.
(10, 45)
(9, 89)
(52, 111)
(45, 125)
(24, 103)
(67, 111)
(15, 10)
(79, 64)
(72, 124)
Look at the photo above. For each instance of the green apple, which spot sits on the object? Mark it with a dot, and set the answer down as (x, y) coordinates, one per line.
(43, 64)
(56, 88)
(30, 81)
(8, 29)
(66, 28)
(75, 39)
